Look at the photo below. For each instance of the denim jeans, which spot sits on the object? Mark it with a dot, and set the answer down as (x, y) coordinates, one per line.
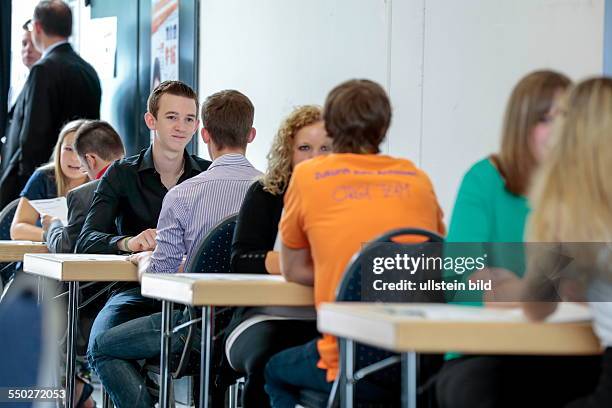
(292, 370)
(117, 350)
(120, 308)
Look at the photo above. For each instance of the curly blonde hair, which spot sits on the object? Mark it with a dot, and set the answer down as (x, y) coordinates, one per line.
(281, 153)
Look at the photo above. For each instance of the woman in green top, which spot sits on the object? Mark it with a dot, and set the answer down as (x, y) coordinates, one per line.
(491, 205)
(491, 208)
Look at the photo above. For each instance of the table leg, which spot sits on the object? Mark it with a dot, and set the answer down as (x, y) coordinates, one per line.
(106, 400)
(73, 316)
(409, 380)
(164, 358)
(206, 357)
(349, 370)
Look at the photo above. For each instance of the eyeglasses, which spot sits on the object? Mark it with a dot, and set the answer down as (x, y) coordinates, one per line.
(28, 25)
(547, 118)
(550, 117)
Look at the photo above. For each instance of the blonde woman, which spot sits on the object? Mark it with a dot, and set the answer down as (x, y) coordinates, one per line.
(572, 202)
(301, 136)
(52, 180)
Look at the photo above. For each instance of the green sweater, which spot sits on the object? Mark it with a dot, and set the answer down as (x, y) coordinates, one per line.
(486, 212)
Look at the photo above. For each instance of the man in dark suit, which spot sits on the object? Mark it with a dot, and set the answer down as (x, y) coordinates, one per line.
(61, 87)
(98, 145)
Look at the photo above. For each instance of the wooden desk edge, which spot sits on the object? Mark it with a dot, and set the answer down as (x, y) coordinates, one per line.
(212, 293)
(55, 269)
(18, 252)
(432, 336)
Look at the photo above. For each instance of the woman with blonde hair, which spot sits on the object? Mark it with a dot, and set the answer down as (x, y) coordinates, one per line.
(572, 203)
(52, 180)
(300, 137)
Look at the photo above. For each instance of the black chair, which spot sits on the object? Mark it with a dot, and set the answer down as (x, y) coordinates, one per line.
(6, 218)
(378, 368)
(7, 269)
(211, 255)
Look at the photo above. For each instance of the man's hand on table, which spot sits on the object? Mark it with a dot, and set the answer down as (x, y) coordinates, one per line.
(142, 260)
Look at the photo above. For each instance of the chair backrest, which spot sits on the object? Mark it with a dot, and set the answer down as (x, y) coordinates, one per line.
(350, 289)
(6, 218)
(213, 252)
(212, 255)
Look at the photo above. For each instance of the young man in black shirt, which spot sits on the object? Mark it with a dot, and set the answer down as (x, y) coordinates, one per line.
(130, 196)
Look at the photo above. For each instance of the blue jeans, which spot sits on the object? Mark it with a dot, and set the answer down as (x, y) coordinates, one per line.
(117, 350)
(292, 370)
(120, 308)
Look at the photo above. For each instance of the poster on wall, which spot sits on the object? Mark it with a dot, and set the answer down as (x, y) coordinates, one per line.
(99, 46)
(164, 41)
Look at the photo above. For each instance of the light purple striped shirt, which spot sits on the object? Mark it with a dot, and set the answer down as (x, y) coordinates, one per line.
(192, 208)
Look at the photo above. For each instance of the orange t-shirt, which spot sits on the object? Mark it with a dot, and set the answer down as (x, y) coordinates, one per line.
(336, 203)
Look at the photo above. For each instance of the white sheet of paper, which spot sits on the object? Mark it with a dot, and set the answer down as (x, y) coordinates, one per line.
(55, 207)
(566, 312)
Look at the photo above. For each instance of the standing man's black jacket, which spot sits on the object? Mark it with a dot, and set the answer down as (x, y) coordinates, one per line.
(60, 87)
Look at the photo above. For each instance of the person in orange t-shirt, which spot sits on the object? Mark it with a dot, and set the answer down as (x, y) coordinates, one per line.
(333, 205)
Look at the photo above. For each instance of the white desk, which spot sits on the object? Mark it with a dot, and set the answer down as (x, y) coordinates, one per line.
(417, 328)
(207, 291)
(75, 268)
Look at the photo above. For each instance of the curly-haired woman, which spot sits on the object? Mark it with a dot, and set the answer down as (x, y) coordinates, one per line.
(258, 334)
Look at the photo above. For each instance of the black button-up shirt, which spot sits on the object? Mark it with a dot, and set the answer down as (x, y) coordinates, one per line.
(128, 200)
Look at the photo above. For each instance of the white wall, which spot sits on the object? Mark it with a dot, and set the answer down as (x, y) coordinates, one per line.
(284, 53)
(448, 65)
(476, 50)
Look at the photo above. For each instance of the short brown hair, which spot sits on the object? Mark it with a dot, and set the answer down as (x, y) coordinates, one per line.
(228, 118)
(55, 17)
(357, 114)
(99, 137)
(176, 88)
(529, 104)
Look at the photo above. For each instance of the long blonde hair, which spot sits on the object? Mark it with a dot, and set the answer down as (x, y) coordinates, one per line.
(279, 171)
(571, 194)
(61, 181)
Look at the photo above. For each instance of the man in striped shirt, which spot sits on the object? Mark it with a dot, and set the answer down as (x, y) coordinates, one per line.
(189, 211)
